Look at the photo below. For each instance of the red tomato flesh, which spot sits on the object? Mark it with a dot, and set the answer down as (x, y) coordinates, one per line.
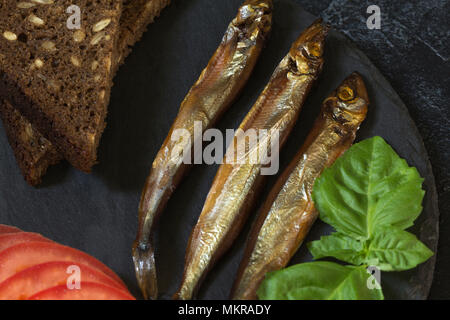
(10, 239)
(88, 291)
(38, 278)
(25, 255)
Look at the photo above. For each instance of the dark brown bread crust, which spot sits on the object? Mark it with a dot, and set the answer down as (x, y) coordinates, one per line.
(34, 154)
(136, 16)
(34, 158)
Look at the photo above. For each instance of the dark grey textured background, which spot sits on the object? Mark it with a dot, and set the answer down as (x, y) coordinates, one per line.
(97, 213)
(412, 50)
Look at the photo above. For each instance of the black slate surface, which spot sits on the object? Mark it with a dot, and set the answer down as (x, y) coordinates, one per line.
(98, 213)
(412, 50)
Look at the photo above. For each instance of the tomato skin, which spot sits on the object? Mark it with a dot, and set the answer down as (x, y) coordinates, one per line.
(8, 229)
(40, 277)
(24, 255)
(10, 239)
(34, 267)
(88, 291)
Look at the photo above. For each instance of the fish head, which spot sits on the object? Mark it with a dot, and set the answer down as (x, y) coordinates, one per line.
(348, 103)
(250, 7)
(307, 51)
(255, 15)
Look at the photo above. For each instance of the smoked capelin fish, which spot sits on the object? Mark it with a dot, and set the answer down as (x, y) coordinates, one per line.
(218, 86)
(288, 213)
(236, 185)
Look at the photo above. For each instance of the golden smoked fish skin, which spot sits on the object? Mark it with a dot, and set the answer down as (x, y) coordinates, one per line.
(288, 213)
(217, 87)
(236, 185)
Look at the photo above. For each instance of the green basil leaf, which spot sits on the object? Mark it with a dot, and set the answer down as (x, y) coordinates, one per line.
(393, 249)
(318, 280)
(339, 246)
(369, 186)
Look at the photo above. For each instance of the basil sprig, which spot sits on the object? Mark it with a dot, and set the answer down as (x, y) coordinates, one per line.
(320, 280)
(370, 196)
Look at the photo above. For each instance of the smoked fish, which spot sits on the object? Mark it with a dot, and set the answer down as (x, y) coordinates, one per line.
(219, 84)
(288, 213)
(236, 185)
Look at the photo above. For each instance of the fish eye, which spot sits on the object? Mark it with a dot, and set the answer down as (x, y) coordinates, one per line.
(346, 94)
(312, 50)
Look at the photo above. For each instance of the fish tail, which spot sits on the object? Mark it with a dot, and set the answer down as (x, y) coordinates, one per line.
(145, 267)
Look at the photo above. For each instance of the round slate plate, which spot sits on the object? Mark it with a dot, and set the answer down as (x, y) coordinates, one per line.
(97, 213)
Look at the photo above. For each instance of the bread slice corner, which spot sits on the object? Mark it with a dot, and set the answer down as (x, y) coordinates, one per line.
(33, 152)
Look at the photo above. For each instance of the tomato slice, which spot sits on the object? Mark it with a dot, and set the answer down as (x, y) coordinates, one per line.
(24, 255)
(8, 229)
(40, 277)
(10, 239)
(88, 291)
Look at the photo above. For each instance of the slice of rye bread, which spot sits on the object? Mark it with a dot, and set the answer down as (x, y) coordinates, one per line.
(34, 154)
(60, 78)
